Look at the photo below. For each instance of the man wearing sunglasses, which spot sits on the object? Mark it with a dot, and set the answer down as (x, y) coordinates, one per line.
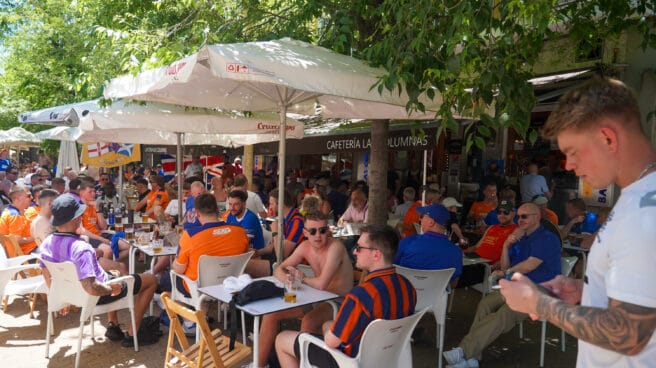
(432, 249)
(490, 245)
(530, 250)
(333, 272)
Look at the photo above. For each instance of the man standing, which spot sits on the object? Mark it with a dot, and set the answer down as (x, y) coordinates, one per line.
(212, 238)
(333, 272)
(533, 184)
(65, 245)
(431, 250)
(13, 221)
(239, 215)
(598, 129)
(384, 294)
(530, 250)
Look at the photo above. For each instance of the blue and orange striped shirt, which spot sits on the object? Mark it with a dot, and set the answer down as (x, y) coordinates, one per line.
(384, 294)
(293, 226)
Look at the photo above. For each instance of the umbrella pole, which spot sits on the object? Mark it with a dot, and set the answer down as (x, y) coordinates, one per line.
(281, 178)
(423, 191)
(178, 158)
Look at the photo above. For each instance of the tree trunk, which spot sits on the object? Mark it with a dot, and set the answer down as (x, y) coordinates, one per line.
(377, 172)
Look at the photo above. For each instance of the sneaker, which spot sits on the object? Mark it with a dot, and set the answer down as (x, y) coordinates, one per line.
(454, 356)
(114, 332)
(189, 330)
(469, 363)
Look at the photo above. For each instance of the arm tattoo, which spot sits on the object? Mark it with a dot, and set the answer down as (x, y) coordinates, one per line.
(93, 287)
(623, 327)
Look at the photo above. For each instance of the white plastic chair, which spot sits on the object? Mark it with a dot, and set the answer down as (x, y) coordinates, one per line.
(384, 343)
(12, 284)
(66, 289)
(212, 270)
(566, 266)
(431, 287)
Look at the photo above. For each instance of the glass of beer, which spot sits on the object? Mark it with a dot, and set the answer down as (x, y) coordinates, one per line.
(144, 218)
(158, 246)
(179, 229)
(290, 292)
(118, 227)
(129, 232)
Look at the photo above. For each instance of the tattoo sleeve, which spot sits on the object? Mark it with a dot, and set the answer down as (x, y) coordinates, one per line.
(622, 327)
(93, 287)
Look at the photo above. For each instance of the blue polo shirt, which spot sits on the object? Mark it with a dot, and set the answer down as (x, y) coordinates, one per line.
(251, 223)
(429, 251)
(541, 244)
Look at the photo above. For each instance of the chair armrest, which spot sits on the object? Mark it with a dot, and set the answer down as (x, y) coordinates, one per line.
(128, 279)
(304, 341)
(18, 260)
(193, 287)
(191, 283)
(13, 270)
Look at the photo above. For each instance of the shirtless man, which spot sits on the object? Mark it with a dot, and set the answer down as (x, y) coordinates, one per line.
(333, 272)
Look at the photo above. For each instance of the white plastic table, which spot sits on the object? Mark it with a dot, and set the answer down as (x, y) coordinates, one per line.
(304, 296)
(584, 252)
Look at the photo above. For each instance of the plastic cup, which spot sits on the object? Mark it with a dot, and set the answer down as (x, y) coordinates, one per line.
(129, 233)
(158, 246)
(290, 293)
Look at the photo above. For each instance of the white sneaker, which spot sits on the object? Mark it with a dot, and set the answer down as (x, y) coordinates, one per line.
(189, 328)
(472, 363)
(469, 363)
(454, 356)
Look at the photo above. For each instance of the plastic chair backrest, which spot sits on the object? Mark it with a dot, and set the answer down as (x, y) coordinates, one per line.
(383, 342)
(65, 287)
(212, 270)
(430, 286)
(4, 263)
(567, 264)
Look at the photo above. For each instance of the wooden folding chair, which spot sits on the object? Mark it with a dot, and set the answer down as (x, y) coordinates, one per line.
(212, 349)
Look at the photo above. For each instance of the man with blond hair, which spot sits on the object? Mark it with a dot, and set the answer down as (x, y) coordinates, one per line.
(598, 128)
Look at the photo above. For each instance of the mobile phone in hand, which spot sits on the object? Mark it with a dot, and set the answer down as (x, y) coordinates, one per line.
(546, 291)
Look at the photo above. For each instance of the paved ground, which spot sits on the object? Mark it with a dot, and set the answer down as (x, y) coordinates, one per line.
(22, 341)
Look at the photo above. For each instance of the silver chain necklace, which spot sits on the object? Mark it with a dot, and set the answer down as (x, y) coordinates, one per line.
(646, 169)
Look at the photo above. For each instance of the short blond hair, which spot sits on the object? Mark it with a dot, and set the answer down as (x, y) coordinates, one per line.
(585, 106)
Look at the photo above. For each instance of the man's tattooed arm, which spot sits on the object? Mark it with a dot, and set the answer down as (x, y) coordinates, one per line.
(94, 287)
(622, 327)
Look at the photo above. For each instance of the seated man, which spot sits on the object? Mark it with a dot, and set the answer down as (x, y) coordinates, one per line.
(480, 209)
(580, 222)
(530, 250)
(545, 212)
(333, 272)
(13, 221)
(262, 262)
(373, 299)
(213, 238)
(239, 215)
(431, 250)
(156, 196)
(66, 245)
(490, 246)
(412, 217)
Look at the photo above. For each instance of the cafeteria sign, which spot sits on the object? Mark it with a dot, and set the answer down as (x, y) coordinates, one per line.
(104, 154)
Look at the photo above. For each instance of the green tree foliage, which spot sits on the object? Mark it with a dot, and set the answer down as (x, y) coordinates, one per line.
(477, 55)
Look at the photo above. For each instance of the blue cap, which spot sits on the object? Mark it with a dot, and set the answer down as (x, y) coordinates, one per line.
(64, 209)
(437, 212)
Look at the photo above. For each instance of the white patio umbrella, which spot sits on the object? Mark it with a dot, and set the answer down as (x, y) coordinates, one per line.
(283, 75)
(19, 138)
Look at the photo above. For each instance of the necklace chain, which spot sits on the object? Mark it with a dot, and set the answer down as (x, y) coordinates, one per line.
(644, 171)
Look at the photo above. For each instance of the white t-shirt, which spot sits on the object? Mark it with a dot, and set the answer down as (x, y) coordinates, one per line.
(40, 227)
(622, 266)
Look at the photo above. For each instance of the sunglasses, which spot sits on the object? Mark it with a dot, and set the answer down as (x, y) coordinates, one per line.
(359, 248)
(524, 216)
(313, 230)
(503, 212)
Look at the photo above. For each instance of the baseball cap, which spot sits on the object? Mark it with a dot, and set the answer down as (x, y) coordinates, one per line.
(540, 200)
(437, 212)
(506, 205)
(450, 202)
(64, 209)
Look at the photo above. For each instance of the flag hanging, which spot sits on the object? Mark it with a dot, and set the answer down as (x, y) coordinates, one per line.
(104, 154)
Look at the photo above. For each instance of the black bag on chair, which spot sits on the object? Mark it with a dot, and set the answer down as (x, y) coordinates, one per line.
(256, 290)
